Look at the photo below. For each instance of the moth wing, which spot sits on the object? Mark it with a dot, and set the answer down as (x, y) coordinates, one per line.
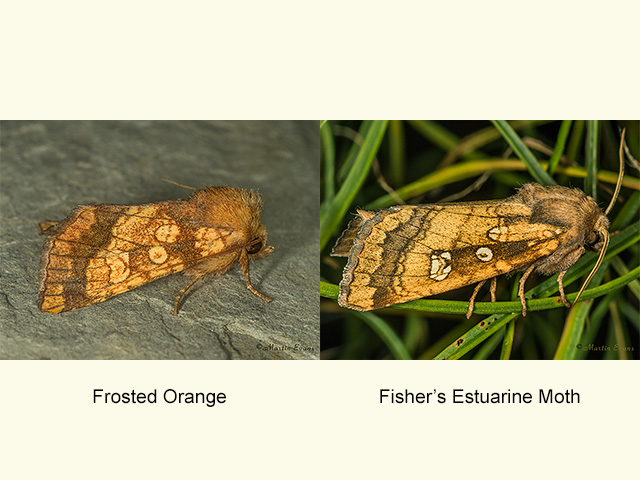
(409, 252)
(345, 242)
(103, 250)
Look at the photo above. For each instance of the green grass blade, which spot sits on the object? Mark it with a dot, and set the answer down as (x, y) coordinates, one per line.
(523, 153)
(591, 160)
(488, 347)
(575, 141)
(386, 334)
(396, 153)
(575, 322)
(561, 141)
(628, 212)
(435, 133)
(331, 217)
(329, 162)
(475, 336)
(471, 169)
(621, 269)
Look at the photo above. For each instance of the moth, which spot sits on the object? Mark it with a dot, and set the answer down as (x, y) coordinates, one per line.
(103, 250)
(408, 252)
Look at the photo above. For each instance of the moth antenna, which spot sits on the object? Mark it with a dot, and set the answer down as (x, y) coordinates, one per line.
(630, 158)
(620, 175)
(178, 184)
(605, 234)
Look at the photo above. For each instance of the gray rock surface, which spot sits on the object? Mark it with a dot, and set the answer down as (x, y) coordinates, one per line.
(48, 168)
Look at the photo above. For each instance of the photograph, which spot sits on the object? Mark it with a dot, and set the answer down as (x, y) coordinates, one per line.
(159, 240)
(199, 181)
(479, 239)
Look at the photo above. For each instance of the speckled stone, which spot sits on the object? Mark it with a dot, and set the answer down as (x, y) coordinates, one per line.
(47, 168)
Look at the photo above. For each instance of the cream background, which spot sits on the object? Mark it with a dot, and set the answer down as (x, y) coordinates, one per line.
(331, 59)
(316, 419)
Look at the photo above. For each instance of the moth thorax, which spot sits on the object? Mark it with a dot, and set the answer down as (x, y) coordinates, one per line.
(600, 220)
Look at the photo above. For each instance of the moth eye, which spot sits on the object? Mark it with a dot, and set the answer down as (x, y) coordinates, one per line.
(593, 239)
(254, 248)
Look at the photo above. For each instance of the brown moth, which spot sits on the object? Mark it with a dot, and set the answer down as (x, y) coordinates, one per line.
(408, 252)
(103, 250)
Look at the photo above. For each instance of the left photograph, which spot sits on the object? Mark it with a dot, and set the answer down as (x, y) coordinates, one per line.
(159, 240)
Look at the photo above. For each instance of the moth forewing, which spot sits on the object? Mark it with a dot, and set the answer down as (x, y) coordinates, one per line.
(103, 250)
(404, 253)
(345, 241)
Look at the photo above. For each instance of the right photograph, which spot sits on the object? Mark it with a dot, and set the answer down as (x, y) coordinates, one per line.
(480, 239)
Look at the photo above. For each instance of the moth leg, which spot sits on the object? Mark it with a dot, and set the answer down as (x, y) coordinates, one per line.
(473, 297)
(561, 288)
(244, 264)
(494, 285)
(521, 289)
(183, 291)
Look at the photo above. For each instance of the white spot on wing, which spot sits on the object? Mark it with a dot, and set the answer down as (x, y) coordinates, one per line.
(440, 266)
(497, 233)
(485, 254)
(436, 265)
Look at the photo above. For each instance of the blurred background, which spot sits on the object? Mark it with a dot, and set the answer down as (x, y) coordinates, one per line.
(376, 164)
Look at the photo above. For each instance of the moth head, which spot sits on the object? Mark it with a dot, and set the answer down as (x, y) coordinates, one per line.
(258, 248)
(254, 247)
(596, 237)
